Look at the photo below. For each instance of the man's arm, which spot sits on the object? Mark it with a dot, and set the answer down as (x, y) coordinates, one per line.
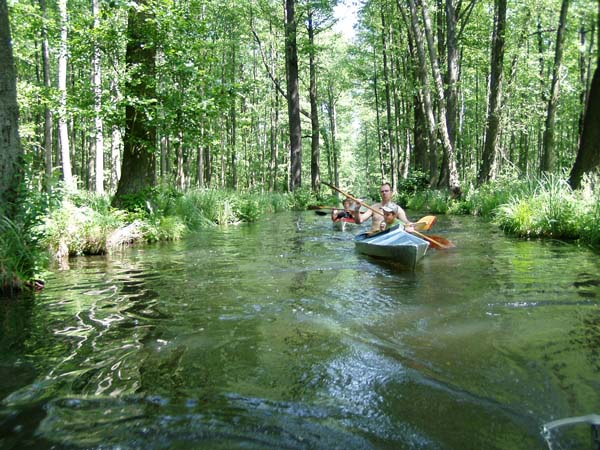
(400, 214)
(361, 217)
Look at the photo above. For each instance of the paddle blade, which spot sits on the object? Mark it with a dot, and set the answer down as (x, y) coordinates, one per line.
(425, 223)
(319, 212)
(439, 242)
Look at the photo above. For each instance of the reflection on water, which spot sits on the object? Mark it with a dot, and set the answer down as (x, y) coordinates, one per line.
(280, 335)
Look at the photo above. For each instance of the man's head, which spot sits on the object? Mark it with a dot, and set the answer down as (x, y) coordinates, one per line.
(347, 203)
(386, 192)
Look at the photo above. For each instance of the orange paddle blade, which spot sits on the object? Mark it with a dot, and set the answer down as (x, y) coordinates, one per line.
(437, 242)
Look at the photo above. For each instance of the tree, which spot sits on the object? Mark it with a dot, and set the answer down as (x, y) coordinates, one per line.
(547, 161)
(492, 130)
(11, 152)
(97, 85)
(293, 95)
(63, 131)
(139, 156)
(588, 155)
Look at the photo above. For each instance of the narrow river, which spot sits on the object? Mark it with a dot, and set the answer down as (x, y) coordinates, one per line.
(279, 335)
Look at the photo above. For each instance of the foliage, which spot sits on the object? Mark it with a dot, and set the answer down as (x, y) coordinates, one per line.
(435, 201)
(19, 261)
(417, 181)
(302, 197)
(552, 210)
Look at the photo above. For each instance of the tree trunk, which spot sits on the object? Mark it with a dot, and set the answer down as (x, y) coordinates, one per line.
(425, 90)
(293, 96)
(588, 155)
(547, 161)
(453, 71)
(139, 150)
(449, 154)
(378, 117)
(388, 105)
(11, 152)
(63, 131)
(48, 122)
(315, 152)
(495, 95)
(331, 108)
(98, 122)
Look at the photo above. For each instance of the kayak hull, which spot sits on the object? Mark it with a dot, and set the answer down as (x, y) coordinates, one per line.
(393, 245)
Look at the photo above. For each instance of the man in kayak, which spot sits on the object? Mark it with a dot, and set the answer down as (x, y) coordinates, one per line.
(386, 200)
(346, 213)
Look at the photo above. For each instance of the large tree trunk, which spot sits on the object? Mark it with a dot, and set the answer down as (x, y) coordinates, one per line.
(11, 152)
(588, 156)
(293, 95)
(139, 150)
(98, 122)
(315, 152)
(424, 79)
(449, 153)
(547, 160)
(63, 131)
(490, 146)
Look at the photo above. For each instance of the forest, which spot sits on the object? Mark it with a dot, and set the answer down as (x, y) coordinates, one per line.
(143, 119)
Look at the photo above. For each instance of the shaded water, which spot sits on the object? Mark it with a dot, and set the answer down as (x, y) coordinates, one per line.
(279, 335)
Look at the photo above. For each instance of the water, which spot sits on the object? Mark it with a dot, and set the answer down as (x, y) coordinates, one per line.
(279, 335)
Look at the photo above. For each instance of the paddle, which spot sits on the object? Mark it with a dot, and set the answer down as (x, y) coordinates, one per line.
(425, 223)
(438, 242)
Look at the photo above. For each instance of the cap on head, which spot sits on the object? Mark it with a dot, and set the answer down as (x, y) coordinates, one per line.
(388, 209)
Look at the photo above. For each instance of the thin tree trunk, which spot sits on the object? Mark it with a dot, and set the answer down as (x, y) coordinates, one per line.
(97, 84)
(63, 132)
(48, 122)
(314, 109)
(388, 105)
(378, 117)
(547, 162)
(116, 141)
(293, 96)
(495, 95)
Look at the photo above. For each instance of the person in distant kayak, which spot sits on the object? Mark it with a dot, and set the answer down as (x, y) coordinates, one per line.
(346, 213)
(377, 219)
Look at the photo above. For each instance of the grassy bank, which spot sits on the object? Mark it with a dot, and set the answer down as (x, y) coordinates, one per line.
(543, 207)
(62, 225)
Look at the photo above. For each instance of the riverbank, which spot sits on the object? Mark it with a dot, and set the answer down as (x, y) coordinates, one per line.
(63, 225)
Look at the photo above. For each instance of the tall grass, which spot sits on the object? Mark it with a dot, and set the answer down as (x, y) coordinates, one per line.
(551, 209)
(19, 261)
(85, 224)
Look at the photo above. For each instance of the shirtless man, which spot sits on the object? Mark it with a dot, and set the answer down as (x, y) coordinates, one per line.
(386, 200)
